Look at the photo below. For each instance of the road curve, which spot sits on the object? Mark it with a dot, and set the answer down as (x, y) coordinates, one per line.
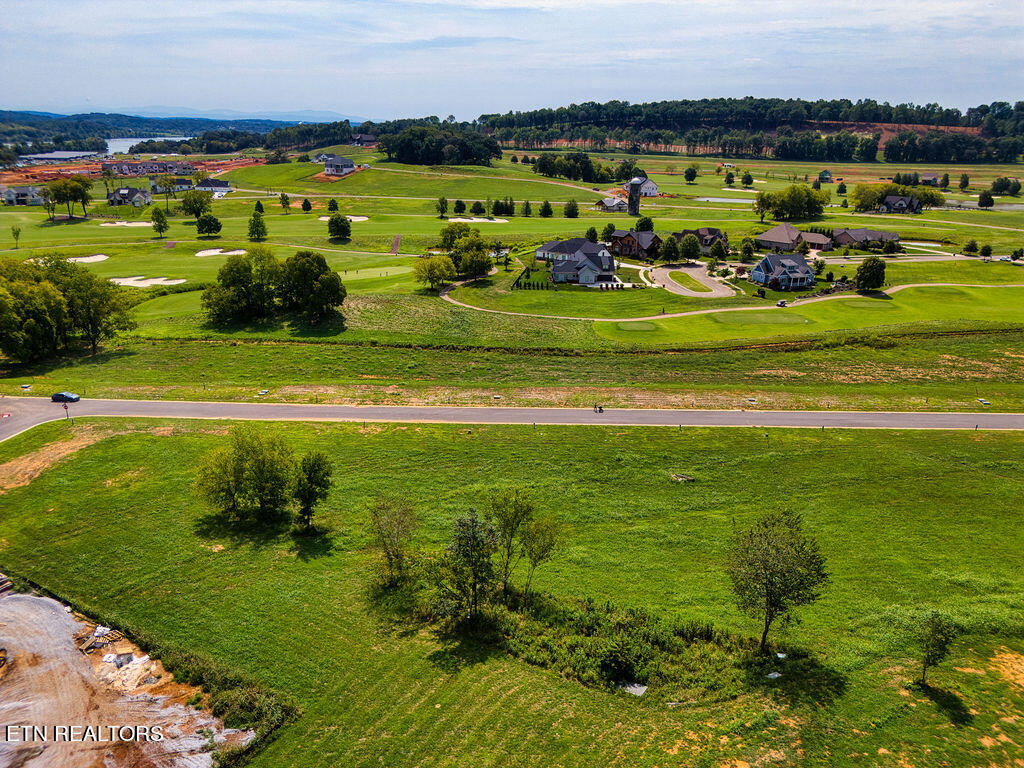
(26, 412)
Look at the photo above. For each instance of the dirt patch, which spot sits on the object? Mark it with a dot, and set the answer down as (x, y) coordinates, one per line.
(64, 670)
(124, 478)
(24, 469)
(1010, 665)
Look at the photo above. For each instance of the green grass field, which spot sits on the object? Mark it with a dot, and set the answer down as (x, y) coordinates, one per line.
(933, 521)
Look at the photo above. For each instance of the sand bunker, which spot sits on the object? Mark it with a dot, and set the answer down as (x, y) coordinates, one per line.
(350, 218)
(477, 220)
(126, 224)
(141, 281)
(89, 259)
(219, 252)
(50, 681)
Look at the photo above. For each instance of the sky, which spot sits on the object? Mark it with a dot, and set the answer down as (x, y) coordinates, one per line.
(407, 58)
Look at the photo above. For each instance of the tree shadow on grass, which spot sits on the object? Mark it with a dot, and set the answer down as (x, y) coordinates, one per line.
(312, 543)
(396, 607)
(803, 680)
(948, 702)
(218, 526)
(879, 294)
(44, 367)
(465, 647)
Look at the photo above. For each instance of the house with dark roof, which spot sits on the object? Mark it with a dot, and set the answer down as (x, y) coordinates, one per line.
(899, 204)
(783, 272)
(578, 260)
(181, 184)
(931, 178)
(862, 236)
(363, 140)
(825, 176)
(706, 236)
(611, 205)
(130, 196)
(336, 165)
(646, 245)
(21, 196)
(785, 237)
(217, 186)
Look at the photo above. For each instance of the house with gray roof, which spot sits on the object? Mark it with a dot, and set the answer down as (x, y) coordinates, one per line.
(899, 204)
(130, 196)
(706, 236)
(611, 205)
(785, 237)
(783, 272)
(646, 245)
(862, 236)
(21, 196)
(578, 260)
(336, 165)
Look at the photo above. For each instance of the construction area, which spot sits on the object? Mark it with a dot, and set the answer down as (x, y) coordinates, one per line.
(60, 670)
(40, 174)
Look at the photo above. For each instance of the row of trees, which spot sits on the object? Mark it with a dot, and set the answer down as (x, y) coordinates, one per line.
(439, 145)
(68, 192)
(938, 147)
(255, 286)
(796, 201)
(50, 305)
(578, 166)
(215, 142)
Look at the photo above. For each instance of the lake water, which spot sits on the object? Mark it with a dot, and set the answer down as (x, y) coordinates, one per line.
(121, 146)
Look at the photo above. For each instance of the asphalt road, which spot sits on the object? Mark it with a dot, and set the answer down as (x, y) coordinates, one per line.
(21, 413)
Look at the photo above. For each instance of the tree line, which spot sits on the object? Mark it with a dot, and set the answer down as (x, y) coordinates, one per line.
(255, 286)
(439, 145)
(50, 306)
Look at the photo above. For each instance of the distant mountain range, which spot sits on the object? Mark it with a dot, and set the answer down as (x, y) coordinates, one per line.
(295, 116)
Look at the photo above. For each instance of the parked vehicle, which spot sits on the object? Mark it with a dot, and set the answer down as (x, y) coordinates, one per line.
(64, 397)
(1005, 258)
(781, 303)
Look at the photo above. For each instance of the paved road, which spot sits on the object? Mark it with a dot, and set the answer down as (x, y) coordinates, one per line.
(716, 288)
(27, 412)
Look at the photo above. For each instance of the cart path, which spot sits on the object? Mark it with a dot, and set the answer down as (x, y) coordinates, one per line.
(689, 313)
(27, 412)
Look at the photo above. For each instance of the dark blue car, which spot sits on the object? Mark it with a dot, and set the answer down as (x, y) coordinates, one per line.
(65, 397)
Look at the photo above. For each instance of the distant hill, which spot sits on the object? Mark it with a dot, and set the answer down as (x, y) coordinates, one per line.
(25, 126)
(293, 116)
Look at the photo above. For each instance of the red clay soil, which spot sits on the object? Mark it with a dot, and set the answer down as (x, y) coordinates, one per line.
(40, 174)
(49, 681)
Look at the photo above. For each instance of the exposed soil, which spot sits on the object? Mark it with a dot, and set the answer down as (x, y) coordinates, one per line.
(51, 682)
(1010, 665)
(26, 468)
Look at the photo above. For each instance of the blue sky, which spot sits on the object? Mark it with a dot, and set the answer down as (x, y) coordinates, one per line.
(386, 58)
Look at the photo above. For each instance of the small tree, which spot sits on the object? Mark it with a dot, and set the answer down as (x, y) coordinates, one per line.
(195, 203)
(803, 247)
(460, 207)
(690, 174)
(889, 247)
(441, 206)
(257, 227)
(477, 209)
(985, 251)
(545, 210)
(339, 227)
(468, 574)
(306, 205)
(747, 179)
(159, 219)
(965, 182)
(285, 201)
(249, 480)
(971, 246)
(775, 568)
(670, 250)
(571, 210)
(511, 510)
(434, 271)
(312, 484)
(16, 233)
(717, 252)
(645, 224)
(747, 250)
(931, 634)
(985, 199)
(527, 208)
(819, 266)
(166, 183)
(540, 538)
(944, 181)
(841, 188)
(207, 224)
(259, 206)
(730, 177)
(607, 232)
(332, 205)
(392, 523)
(870, 274)
(689, 248)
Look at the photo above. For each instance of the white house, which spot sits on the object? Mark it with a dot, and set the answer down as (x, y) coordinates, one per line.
(216, 186)
(338, 166)
(647, 187)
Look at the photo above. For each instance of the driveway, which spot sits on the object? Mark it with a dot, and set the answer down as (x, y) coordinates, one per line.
(716, 288)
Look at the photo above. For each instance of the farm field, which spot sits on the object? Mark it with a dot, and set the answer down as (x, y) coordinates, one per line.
(635, 537)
